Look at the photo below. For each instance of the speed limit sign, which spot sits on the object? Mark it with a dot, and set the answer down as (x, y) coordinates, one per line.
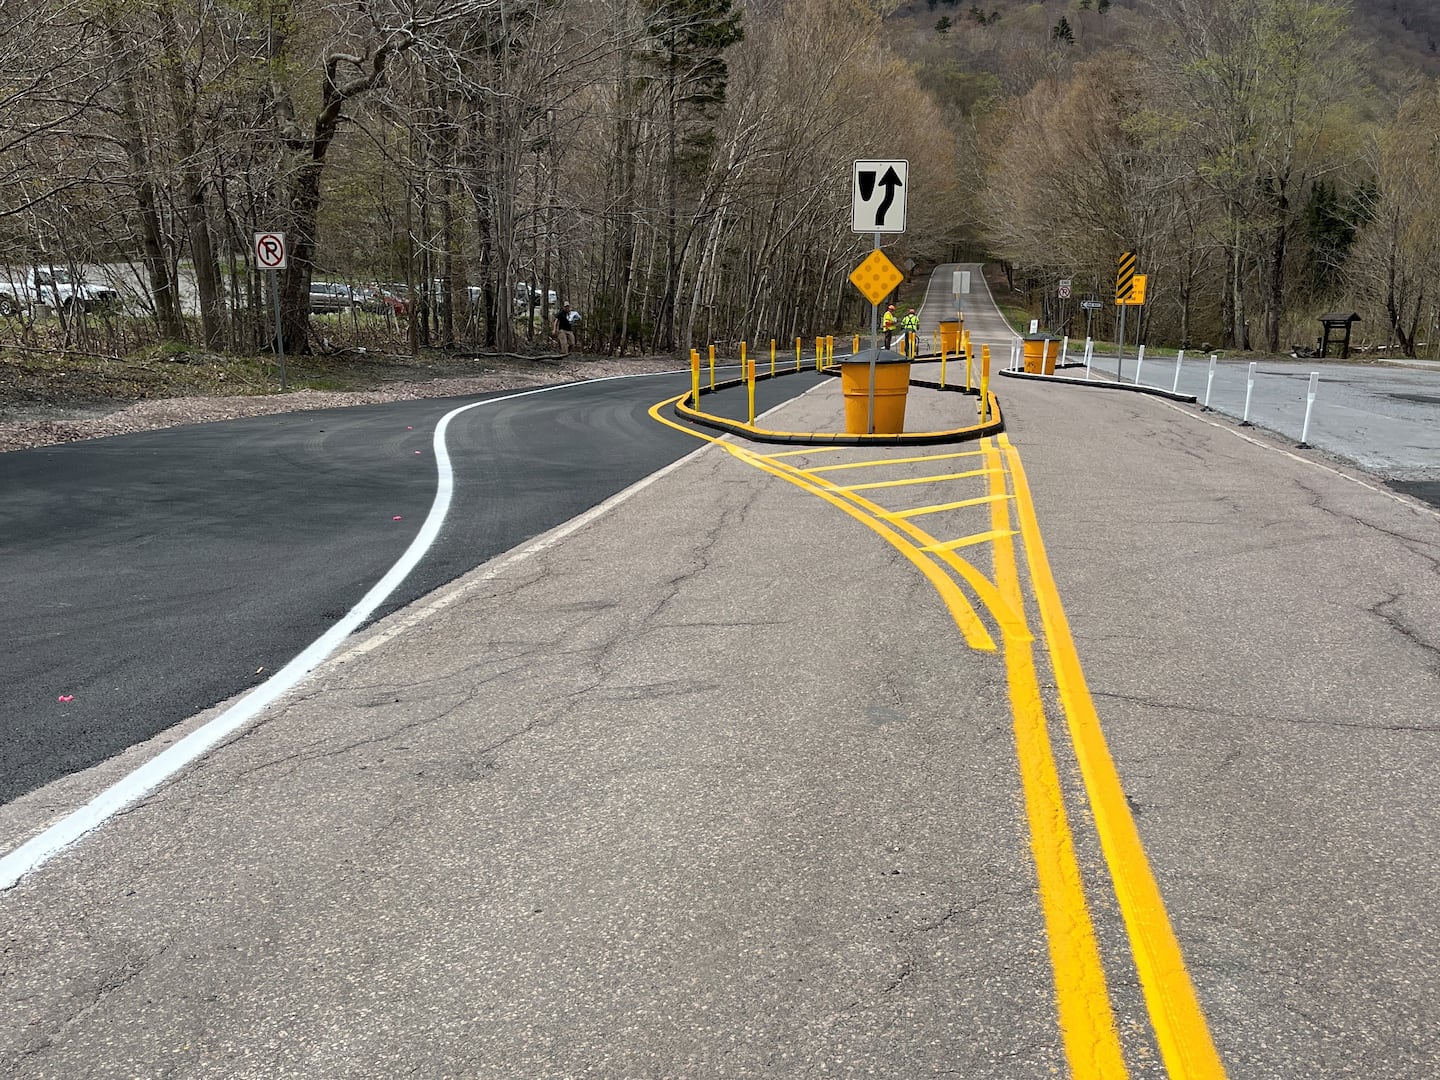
(270, 251)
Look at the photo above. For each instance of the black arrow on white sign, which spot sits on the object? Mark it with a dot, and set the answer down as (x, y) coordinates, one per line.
(890, 181)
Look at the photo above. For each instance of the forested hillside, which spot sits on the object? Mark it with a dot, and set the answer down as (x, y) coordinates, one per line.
(679, 169)
(1267, 159)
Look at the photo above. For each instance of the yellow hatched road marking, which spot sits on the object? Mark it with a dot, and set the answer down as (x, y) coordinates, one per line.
(1180, 1029)
(1087, 1020)
(966, 620)
(807, 450)
(891, 461)
(999, 609)
(920, 511)
(913, 480)
(970, 541)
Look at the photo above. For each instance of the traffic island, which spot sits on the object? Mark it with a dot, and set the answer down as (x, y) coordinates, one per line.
(687, 408)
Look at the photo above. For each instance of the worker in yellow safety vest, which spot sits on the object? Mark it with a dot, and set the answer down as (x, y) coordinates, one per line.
(911, 325)
(888, 322)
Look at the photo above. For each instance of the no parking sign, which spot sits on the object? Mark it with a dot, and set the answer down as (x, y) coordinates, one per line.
(270, 251)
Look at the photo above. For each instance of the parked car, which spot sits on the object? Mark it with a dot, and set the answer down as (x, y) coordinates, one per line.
(527, 297)
(327, 296)
(380, 299)
(55, 288)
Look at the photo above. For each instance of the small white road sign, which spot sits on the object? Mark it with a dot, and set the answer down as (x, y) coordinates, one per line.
(960, 286)
(1065, 288)
(270, 251)
(878, 196)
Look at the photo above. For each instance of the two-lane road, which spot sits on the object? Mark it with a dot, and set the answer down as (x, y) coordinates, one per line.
(147, 577)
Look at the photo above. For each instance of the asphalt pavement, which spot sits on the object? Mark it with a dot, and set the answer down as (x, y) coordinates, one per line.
(150, 576)
(714, 786)
(1382, 417)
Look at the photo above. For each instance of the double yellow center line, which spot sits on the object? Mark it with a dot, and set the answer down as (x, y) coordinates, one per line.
(1085, 1013)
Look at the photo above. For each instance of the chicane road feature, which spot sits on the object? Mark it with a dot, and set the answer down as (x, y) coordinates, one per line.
(148, 577)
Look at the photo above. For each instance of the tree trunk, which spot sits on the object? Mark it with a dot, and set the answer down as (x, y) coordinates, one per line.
(192, 188)
(1276, 307)
(157, 267)
(304, 212)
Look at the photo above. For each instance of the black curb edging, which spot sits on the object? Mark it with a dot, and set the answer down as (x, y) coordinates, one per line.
(1104, 384)
(692, 415)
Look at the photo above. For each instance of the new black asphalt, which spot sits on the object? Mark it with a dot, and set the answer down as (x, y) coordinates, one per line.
(148, 577)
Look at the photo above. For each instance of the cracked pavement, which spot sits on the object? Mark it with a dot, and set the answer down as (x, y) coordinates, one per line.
(710, 788)
(1261, 637)
(713, 788)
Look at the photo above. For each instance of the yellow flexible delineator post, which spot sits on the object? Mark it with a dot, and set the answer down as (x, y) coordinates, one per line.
(747, 367)
(984, 381)
(797, 353)
(742, 359)
(695, 377)
(829, 350)
(942, 363)
(712, 367)
(819, 354)
(772, 356)
(855, 346)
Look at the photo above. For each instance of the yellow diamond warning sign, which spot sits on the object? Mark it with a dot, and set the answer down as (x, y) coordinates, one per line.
(876, 277)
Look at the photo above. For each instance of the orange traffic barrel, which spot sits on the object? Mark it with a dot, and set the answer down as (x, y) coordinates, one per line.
(1040, 355)
(892, 386)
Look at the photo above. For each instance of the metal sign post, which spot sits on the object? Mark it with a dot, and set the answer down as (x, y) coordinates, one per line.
(1124, 285)
(874, 354)
(877, 205)
(271, 254)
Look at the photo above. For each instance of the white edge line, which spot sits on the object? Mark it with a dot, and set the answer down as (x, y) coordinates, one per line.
(135, 785)
(402, 622)
(1403, 500)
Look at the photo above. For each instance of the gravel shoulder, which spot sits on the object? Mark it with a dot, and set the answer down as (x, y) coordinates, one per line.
(63, 418)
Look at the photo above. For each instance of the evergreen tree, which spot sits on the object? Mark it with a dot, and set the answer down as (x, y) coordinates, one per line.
(688, 39)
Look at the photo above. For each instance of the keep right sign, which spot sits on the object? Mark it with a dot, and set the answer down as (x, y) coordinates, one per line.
(877, 203)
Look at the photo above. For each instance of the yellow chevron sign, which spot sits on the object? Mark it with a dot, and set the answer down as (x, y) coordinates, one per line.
(1125, 277)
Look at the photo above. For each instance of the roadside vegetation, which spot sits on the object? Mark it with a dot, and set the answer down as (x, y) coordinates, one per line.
(448, 172)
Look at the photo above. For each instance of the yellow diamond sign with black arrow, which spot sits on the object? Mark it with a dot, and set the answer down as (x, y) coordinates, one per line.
(876, 277)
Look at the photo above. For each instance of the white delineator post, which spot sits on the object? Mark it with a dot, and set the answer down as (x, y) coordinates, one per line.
(1309, 404)
(1179, 359)
(1140, 363)
(1210, 380)
(1065, 349)
(1089, 355)
(1249, 389)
